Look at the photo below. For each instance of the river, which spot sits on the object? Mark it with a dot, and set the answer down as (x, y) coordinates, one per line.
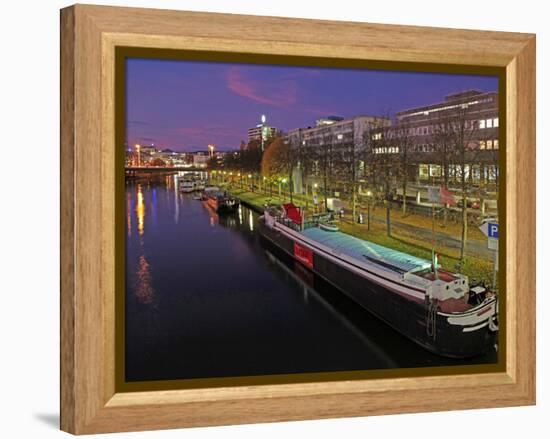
(207, 297)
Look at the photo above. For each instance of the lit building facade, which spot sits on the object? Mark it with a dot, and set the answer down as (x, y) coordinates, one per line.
(334, 136)
(268, 132)
(200, 159)
(430, 141)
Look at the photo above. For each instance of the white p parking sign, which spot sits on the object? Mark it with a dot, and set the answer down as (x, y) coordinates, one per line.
(490, 230)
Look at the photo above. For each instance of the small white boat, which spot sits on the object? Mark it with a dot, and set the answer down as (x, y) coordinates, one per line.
(328, 227)
(197, 196)
(187, 186)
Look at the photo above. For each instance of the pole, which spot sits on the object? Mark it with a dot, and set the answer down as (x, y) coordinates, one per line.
(434, 263)
(368, 215)
(433, 225)
(495, 268)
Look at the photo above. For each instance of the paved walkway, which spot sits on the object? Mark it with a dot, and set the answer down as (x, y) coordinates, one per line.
(474, 247)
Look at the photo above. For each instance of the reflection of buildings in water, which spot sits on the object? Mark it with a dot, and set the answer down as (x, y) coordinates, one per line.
(236, 221)
(306, 279)
(153, 208)
(229, 221)
(240, 215)
(250, 221)
(214, 217)
(144, 283)
(170, 181)
(129, 213)
(140, 210)
(176, 200)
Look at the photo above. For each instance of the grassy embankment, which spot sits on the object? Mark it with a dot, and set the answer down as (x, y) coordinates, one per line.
(476, 268)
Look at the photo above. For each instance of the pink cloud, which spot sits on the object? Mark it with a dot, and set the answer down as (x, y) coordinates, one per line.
(280, 94)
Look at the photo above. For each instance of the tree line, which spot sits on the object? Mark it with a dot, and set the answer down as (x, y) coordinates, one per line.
(382, 160)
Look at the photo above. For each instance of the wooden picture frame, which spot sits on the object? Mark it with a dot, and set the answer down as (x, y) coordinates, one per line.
(90, 399)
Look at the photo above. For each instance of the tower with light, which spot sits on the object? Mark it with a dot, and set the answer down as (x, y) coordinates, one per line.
(211, 150)
(263, 133)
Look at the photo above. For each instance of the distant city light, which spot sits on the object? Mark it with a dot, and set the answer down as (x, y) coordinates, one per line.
(263, 118)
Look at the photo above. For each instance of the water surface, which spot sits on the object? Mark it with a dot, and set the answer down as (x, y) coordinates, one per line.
(207, 297)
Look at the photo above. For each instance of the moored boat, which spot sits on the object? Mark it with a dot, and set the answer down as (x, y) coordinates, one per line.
(187, 185)
(329, 227)
(220, 201)
(433, 307)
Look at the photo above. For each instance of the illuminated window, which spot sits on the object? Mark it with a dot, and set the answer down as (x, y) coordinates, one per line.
(495, 144)
(340, 136)
(495, 122)
(482, 144)
(489, 144)
(489, 123)
(482, 123)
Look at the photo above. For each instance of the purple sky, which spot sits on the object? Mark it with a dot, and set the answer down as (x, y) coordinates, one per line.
(185, 105)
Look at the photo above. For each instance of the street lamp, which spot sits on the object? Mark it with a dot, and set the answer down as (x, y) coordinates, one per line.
(284, 180)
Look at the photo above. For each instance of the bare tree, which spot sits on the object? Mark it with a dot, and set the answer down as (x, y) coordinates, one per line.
(402, 143)
(383, 161)
(444, 151)
(462, 132)
(347, 159)
(323, 156)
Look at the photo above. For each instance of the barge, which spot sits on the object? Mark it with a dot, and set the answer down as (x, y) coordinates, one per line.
(433, 307)
(220, 202)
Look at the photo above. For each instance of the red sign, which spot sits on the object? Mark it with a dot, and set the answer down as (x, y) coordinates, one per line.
(304, 255)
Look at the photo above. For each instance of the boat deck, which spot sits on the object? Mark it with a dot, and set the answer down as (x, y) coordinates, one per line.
(366, 251)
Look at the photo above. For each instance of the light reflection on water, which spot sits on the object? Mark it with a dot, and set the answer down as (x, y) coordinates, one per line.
(205, 297)
(129, 213)
(250, 221)
(140, 210)
(144, 289)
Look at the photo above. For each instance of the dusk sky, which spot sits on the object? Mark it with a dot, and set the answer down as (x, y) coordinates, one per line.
(185, 105)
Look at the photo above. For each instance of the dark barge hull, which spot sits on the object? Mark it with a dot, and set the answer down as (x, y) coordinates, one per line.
(222, 207)
(408, 316)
